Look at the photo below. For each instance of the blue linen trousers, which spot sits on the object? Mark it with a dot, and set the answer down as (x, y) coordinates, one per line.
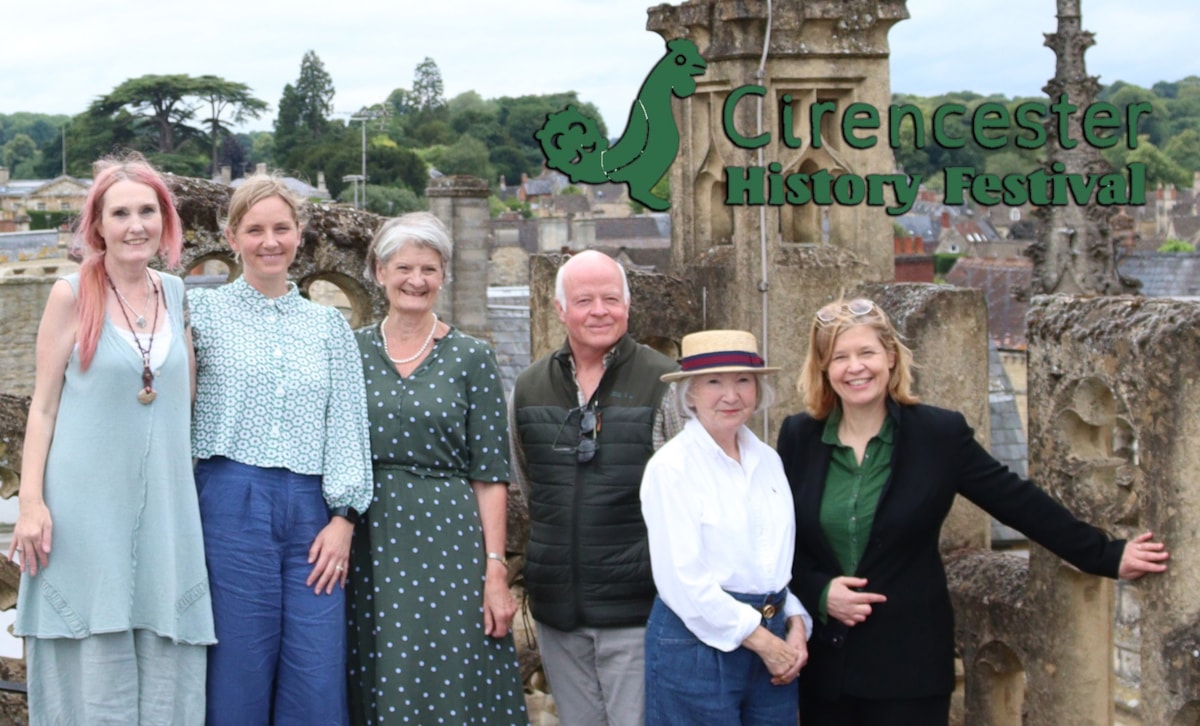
(280, 656)
(689, 683)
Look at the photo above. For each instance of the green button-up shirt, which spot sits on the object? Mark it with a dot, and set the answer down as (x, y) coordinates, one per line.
(852, 491)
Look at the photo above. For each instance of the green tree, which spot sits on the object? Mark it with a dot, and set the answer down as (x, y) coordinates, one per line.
(228, 102)
(161, 102)
(302, 125)
(391, 165)
(427, 87)
(42, 128)
(1176, 246)
(315, 91)
(468, 155)
(90, 137)
(511, 162)
(262, 149)
(289, 134)
(1010, 160)
(1184, 149)
(20, 149)
(661, 188)
(1152, 125)
(401, 102)
(1159, 167)
(386, 201)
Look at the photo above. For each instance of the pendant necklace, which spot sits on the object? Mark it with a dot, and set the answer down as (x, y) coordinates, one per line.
(414, 356)
(147, 394)
(141, 319)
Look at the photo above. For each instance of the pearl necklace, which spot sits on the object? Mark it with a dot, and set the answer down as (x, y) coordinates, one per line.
(414, 356)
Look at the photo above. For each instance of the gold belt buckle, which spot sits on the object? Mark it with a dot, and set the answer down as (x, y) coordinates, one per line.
(768, 611)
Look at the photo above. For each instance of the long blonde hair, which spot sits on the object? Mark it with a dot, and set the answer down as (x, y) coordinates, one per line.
(814, 386)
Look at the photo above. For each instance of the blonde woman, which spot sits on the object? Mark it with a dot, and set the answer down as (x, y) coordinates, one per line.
(873, 474)
(280, 433)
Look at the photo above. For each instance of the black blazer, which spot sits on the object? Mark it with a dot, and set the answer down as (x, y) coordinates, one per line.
(905, 648)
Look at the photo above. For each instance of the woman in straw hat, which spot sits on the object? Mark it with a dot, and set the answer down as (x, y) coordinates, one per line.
(873, 474)
(726, 640)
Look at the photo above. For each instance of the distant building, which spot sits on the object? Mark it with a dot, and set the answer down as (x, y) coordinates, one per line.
(19, 197)
(299, 187)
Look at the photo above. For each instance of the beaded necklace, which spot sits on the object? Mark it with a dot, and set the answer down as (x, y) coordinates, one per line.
(147, 394)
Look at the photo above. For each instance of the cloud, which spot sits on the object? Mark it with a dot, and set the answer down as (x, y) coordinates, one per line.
(599, 48)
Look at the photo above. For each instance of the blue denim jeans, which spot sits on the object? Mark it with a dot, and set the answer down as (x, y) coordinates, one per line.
(281, 651)
(688, 682)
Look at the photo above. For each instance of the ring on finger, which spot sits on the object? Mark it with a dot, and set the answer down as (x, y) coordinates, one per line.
(339, 568)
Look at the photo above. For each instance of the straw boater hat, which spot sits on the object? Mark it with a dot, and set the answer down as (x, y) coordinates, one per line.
(719, 351)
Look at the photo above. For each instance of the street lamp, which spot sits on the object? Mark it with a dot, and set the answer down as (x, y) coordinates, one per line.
(356, 178)
(365, 115)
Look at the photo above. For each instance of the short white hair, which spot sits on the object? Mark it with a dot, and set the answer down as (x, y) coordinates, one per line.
(764, 393)
(560, 291)
(421, 229)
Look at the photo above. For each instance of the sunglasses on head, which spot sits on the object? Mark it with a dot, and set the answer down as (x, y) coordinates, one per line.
(839, 310)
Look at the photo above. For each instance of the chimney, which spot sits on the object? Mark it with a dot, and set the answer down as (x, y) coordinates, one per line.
(945, 219)
(321, 182)
(504, 185)
(260, 168)
(226, 174)
(3, 175)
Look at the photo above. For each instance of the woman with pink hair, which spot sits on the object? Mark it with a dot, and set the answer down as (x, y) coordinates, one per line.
(114, 601)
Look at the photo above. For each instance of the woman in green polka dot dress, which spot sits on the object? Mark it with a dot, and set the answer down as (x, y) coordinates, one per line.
(430, 608)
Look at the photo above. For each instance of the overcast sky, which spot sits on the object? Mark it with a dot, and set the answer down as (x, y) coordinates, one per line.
(57, 62)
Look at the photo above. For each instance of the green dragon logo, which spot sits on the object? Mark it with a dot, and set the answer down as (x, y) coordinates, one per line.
(645, 151)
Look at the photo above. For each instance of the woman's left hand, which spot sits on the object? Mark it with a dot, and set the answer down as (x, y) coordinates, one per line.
(499, 605)
(797, 637)
(330, 556)
(1141, 556)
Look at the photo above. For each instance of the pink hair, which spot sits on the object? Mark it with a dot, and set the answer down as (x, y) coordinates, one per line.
(92, 277)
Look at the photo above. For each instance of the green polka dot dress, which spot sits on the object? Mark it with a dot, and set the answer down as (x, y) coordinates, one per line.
(418, 653)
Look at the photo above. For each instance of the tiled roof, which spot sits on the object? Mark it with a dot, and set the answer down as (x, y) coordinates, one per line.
(998, 278)
(1163, 274)
(302, 188)
(1008, 442)
(539, 187)
(508, 322)
(642, 225)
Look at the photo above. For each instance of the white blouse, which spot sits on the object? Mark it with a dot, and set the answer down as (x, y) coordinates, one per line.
(718, 526)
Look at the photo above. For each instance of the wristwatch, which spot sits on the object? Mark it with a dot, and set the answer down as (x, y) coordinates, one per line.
(499, 558)
(349, 513)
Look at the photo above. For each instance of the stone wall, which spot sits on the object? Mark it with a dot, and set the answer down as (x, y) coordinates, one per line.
(766, 268)
(22, 300)
(1112, 414)
(461, 203)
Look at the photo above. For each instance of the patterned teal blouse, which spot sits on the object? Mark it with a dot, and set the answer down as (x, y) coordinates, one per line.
(279, 384)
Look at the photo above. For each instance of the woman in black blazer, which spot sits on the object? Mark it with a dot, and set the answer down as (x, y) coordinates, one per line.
(873, 474)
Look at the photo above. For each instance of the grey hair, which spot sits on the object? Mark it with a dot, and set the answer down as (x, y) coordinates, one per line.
(421, 229)
(560, 292)
(765, 394)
